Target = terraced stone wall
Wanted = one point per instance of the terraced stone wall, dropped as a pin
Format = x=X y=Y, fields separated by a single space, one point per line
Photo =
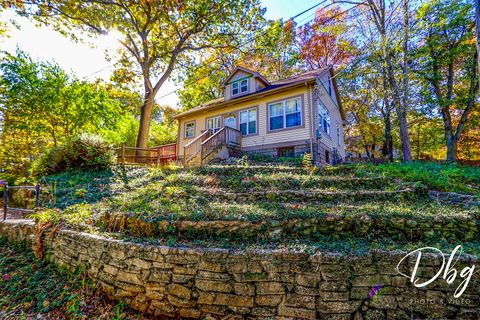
x=221 y=284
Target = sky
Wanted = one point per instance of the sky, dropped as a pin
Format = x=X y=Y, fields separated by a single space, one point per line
x=88 y=61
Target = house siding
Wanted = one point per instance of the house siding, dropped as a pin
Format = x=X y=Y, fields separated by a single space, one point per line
x=263 y=138
x=303 y=138
x=329 y=141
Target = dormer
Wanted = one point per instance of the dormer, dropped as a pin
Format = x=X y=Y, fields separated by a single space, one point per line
x=243 y=81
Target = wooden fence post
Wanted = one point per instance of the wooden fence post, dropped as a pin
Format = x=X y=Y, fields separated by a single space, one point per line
x=122 y=154
x=5 y=201
x=37 y=196
x=159 y=149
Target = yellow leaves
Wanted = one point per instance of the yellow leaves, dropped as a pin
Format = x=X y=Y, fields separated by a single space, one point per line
x=19 y=4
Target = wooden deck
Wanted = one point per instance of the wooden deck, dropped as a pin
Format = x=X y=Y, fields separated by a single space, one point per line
x=159 y=155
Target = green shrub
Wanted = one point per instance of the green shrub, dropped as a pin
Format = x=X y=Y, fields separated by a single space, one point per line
x=442 y=177
x=85 y=152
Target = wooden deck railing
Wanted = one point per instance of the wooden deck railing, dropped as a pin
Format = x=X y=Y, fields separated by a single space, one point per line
x=153 y=155
x=194 y=147
x=225 y=136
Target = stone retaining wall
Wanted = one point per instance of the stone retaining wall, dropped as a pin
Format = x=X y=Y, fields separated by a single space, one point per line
x=222 y=284
x=337 y=226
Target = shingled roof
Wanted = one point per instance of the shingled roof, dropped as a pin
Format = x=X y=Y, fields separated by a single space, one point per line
x=273 y=87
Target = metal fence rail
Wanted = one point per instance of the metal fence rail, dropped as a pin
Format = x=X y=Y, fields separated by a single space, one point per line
x=6 y=187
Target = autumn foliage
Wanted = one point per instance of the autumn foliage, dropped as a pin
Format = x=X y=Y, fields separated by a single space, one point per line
x=322 y=41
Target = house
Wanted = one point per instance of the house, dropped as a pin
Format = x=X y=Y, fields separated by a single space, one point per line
x=286 y=118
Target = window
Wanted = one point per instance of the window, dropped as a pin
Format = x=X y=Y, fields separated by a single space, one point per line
x=285 y=114
x=240 y=86
x=338 y=132
x=327 y=156
x=190 y=129
x=248 y=121
x=323 y=118
x=286 y=152
x=214 y=123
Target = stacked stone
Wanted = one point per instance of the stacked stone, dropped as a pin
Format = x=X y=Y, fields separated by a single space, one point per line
x=220 y=284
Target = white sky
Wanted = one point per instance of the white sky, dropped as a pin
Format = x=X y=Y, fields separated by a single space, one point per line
x=89 y=62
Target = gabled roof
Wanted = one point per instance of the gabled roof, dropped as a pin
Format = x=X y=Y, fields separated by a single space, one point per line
x=274 y=87
x=253 y=73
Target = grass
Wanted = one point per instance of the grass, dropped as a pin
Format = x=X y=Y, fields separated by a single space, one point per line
x=34 y=289
x=441 y=177
x=137 y=201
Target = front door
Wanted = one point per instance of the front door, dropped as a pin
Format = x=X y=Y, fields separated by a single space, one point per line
x=231 y=121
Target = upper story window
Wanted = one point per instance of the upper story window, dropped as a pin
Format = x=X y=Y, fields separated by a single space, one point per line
x=240 y=86
x=248 y=121
x=323 y=118
x=285 y=114
x=214 y=123
x=190 y=129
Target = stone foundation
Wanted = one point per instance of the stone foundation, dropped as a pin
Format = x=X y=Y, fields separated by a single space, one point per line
x=223 y=284
x=271 y=150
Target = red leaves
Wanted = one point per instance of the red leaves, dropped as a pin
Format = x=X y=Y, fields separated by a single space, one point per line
x=6 y=277
x=321 y=41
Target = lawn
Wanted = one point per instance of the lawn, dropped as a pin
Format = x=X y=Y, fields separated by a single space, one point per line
x=442 y=177
x=257 y=204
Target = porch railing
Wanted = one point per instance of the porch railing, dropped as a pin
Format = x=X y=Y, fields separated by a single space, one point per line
x=194 y=147
x=225 y=136
x=154 y=155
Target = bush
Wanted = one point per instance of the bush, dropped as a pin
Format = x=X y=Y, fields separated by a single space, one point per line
x=85 y=152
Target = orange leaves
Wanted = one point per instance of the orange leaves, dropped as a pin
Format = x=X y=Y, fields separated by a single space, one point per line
x=322 y=42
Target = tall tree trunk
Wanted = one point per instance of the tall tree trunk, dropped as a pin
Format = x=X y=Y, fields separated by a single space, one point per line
x=477 y=19
x=401 y=111
x=387 y=133
x=378 y=12
x=145 y=116
x=452 y=149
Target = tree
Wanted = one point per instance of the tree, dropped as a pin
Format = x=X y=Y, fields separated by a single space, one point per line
x=274 y=53
x=40 y=104
x=158 y=36
x=477 y=23
x=447 y=61
x=271 y=52
x=323 y=41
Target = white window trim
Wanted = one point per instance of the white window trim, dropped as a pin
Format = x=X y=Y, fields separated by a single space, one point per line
x=219 y=123
x=239 y=87
x=320 y=123
x=185 y=129
x=256 y=121
x=283 y=102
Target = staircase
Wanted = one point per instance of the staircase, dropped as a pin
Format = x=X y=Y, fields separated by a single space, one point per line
x=209 y=146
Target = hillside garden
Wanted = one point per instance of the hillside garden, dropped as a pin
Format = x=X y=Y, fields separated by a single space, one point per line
x=349 y=208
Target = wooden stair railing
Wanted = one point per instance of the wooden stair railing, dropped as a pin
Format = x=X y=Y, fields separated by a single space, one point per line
x=194 y=147
x=225 y=136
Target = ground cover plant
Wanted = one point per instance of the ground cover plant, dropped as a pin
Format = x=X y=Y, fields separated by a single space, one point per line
x=259 y=204
x=33 y=289
x=443 y=177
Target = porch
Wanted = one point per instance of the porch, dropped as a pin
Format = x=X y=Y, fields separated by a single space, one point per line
x=210 y=145
x=158 y=155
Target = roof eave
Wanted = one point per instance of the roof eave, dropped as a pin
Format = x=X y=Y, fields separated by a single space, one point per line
x=247 y=98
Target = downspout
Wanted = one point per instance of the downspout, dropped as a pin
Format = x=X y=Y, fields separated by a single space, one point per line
x=310 y=100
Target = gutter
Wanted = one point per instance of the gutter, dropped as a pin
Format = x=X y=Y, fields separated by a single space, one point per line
x=310 y=110
x=233 y=102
